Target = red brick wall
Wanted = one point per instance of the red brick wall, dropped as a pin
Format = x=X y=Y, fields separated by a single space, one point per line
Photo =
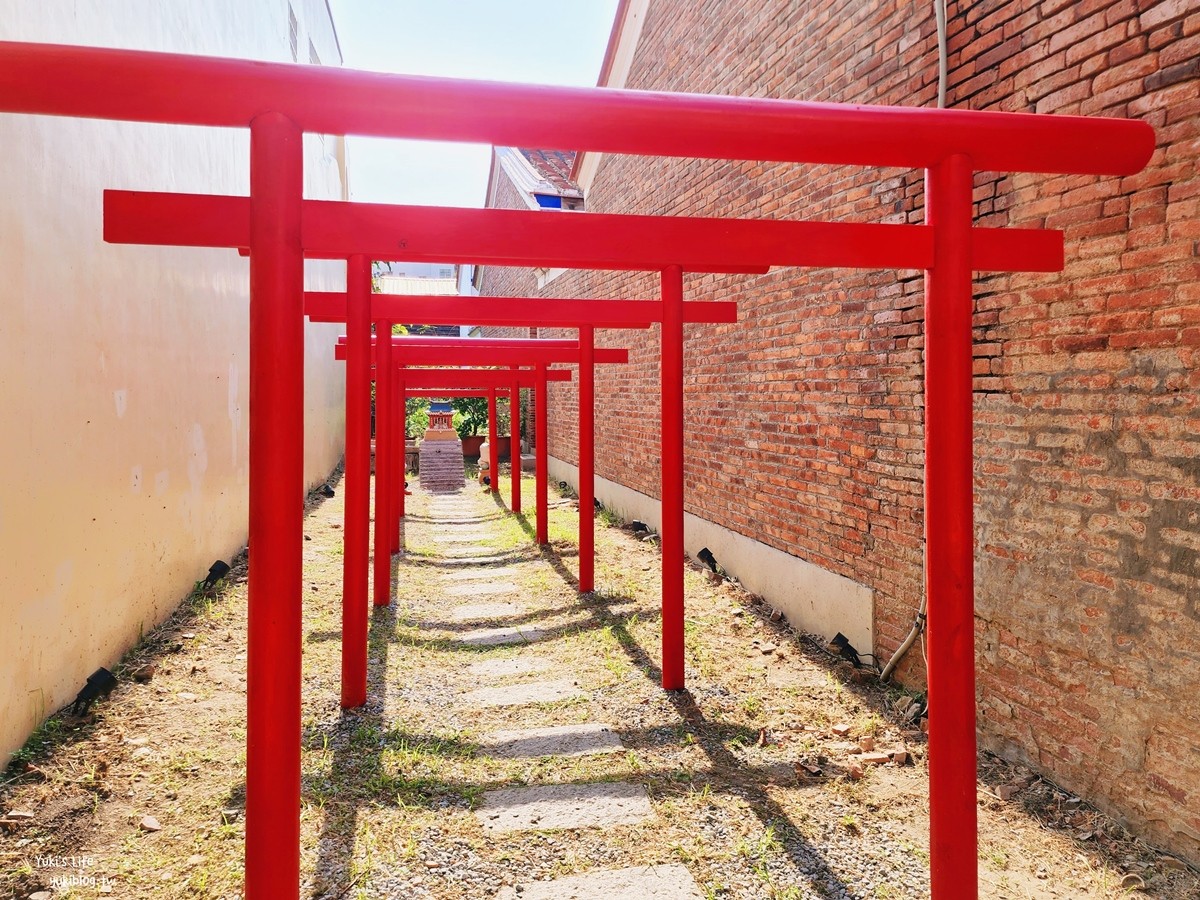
x=804 y=420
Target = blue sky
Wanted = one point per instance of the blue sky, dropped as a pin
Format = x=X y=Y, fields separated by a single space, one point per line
x=499 y=40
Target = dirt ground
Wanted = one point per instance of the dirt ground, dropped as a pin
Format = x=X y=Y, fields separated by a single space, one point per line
x=761 y=775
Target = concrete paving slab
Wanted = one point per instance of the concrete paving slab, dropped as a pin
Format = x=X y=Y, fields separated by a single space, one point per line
x=495 y=637
x=522 y=694
x=472 y=612
x=481 y=574
x=557 y=740
x=669 y=882
x=518 y=665
x=555 y=806
x=453 y=560
x=456 y=551
x=482 y=589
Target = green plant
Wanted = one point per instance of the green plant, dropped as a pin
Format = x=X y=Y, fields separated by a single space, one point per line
x=416 y=416
x=472 y=415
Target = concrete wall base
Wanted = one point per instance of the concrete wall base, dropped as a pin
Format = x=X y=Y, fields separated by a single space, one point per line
x=812 y=599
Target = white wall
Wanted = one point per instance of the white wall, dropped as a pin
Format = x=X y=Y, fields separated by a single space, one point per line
x=812 y=599
x=123 y=370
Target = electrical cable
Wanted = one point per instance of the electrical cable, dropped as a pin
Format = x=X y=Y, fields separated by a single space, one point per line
x=918 y=628
x=939 y=13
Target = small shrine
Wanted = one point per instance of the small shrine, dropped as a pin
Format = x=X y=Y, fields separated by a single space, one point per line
x=441 y=457
x=441 y=422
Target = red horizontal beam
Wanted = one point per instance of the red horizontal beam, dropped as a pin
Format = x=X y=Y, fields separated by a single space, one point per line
x=403 y=343
x=512 y=237
x=161 y=87
x=321 y=306
x=436 y=356
x=432 y=394
x=448 y=392
x=475 y=379
x=407 y=341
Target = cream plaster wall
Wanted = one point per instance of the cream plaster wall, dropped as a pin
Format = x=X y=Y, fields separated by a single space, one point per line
x=123 y=370
x=812 y=599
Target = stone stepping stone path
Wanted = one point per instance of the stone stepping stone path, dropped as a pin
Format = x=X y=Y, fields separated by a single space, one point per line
x=483 y=589
x=556 y=740
x=469 y=549
x=481 y=574
x=471 y=538
x=500 y=668
x=670 y=882
x=475 y=611
x=492 y=637
x=558 y=806
x=455 y=560
x=523 y=694
x=525 y=684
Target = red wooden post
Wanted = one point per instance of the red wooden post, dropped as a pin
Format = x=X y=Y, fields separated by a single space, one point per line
x=587 y=459
x=672 y=479
x=276 y=509
x=541 y=473
x=949 y=534
x=395 y=454
x=493 y=444
x=357 y=485
x=514 y=441
x=382 y=559
x=402 y=405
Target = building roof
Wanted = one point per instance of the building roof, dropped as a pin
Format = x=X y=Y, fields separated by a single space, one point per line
x=405 y=284
x=554 y=166
x=451 y=331
x=415 y=284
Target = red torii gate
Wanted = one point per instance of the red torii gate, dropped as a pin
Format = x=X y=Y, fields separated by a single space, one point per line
x=280 y=102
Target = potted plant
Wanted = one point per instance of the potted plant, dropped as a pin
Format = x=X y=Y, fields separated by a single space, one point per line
x=471 y=418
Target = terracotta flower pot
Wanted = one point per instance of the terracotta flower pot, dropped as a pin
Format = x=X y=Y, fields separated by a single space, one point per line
x=472 y=444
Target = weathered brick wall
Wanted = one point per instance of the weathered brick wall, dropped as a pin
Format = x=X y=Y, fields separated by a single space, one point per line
x=804 y=420
x=1087 y=453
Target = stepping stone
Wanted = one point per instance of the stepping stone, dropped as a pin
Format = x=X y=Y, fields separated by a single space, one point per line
x=484 y=575
x=452 y=560
x=482 y=589
x=669 y=882
x=518 y=665
x=473 y=611
x=493 y=637
x=473 y=551
x=558 y=740
x=522 y=694
x=553 y=806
